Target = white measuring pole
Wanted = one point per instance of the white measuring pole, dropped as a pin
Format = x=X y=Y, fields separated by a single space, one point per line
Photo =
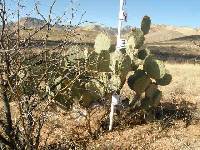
x=121 y=18
x=120 y=43
x=114 y=103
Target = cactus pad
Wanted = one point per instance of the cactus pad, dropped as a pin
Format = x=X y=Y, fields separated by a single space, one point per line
x=154 y=68
x=156 y=98
x=104 y=62
x=88 y=97
x=114 y=83
x=124 y=67
x=145 y=24
x=148 y=103
x=139 y=81
x=102 y=42
x=95 y=87
x=103 y=78
x=74 y=53
x=166 y=80
x=151 y=90
x=88 y=92
x=115 y=58
x=143 y=53
x=120 y=64
x=92 y=61
x=135 y=40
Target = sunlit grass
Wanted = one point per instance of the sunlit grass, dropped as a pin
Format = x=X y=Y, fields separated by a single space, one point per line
x=186 y=82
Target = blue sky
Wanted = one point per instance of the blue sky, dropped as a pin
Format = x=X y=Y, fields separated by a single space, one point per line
x=171 y=12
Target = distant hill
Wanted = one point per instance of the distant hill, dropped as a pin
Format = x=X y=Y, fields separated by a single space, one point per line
x=110 y=30
x=29 y=23
x=166 y=41
x=167 y=32
x=32 y=23
x=157 y=32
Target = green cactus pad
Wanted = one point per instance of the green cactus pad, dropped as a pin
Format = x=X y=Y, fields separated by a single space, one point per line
x=130 y=44
x=150 y=91
x=92 y=61
x=120 y=64
x=115 y=83
x=103 y=78
x=166 y=80
x=74 y=53
x=115 y=58
x=139 y=81
x=154 y=68
x=63 y=100
x=88 y=97
x=135 y=39
x=148 y=103
x=125 y=66
x=146 y=24
x=112 y=62
x=104 y=62
x=87 y=93
x=131 y=52
x=135 y=63
x=95 y=87
x=156 y=98
x=143 y=53
x=102 y=42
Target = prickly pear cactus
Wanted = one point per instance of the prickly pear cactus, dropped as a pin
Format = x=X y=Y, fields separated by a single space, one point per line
x=115 y=83
x=96 y=87
x=92 y=61
x=107 y=71
x=149 y=72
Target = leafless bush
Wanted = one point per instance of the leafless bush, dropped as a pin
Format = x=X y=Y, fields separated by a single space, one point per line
x=31 y=74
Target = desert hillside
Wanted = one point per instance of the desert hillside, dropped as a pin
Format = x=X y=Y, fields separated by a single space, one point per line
x=172 y=43
x=160 y=33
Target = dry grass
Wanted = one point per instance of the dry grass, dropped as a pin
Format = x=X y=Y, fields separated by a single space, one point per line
x=185 y=83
